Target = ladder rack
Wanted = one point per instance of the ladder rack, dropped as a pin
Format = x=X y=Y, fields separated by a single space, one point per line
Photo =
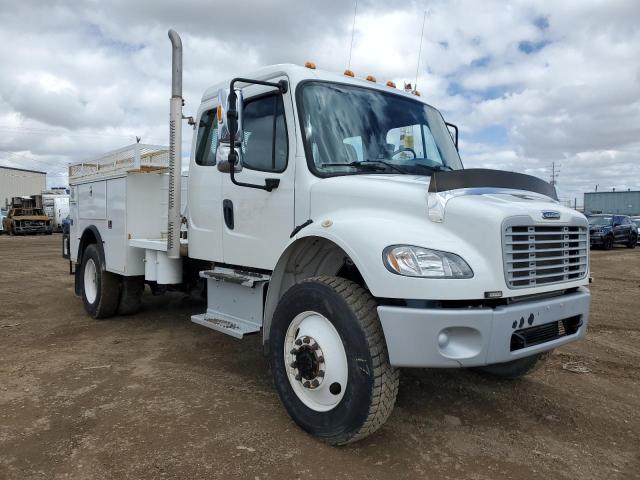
x=133 y=158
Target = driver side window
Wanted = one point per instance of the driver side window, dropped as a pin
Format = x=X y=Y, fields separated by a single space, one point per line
x=265 y=145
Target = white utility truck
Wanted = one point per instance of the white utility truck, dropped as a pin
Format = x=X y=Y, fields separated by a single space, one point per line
x=56 y=206
x=333 y=215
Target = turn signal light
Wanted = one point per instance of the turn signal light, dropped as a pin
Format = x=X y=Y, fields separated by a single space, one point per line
x=219 y=113
x=371 y=78
x=391 y=84
x=310 y=65
x=349 y=73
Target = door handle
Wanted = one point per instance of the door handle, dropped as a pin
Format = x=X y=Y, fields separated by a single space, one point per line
x=227 y=212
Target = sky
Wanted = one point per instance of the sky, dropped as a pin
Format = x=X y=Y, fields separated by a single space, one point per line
x=529 y=83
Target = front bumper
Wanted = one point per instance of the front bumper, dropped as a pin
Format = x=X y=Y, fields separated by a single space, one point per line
x=470 y=337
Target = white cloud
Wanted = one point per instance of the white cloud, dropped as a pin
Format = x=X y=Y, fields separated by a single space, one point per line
x=78 y=79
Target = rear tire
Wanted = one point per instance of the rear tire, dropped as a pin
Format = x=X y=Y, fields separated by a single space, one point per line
x=345 y=320
x=516 y=368
x=632 y=241
x=100 y=289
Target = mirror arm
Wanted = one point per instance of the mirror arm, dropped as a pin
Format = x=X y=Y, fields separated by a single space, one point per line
x=455 y=127
x=232 y=116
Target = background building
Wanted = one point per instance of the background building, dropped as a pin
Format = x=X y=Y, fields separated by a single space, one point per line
x=16 y=182
x=625 y=203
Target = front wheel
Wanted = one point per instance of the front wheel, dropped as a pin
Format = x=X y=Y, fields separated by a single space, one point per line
x=516 y=368
x=633 y=240
x=607 y=243
x=100 y=289
x=329 y=360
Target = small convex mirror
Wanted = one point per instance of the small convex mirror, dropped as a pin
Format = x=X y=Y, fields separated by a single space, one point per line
x=224 y=138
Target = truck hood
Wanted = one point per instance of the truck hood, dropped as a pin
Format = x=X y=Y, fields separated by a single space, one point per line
x=409 y=194
x=365 y=214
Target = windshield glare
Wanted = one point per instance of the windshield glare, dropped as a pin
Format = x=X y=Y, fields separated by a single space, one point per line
x=600 y=221
x=350 y=129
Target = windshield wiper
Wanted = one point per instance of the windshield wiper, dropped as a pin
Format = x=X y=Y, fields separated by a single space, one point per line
x=434 y=168
x=369 y=164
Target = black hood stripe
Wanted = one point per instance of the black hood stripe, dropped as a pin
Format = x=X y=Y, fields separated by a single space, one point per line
x=485 y=178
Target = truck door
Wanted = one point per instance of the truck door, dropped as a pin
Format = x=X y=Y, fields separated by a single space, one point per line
x=257 y=224
x=618 y=228
x=205 y=205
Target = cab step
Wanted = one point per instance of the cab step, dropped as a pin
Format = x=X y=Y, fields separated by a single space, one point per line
x=234 y=301
x=236 y=328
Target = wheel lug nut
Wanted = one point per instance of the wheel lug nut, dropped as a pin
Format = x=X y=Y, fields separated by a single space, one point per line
x=306 y=339
x=307 y=384
x=298 y=342
x=293 y=351
x=293 y=364
x=321 y=373
x=298 y=377
x=315 y=383
x=321 y=359
x=314 y=347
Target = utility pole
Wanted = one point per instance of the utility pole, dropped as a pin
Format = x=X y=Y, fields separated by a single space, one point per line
x=554 y=174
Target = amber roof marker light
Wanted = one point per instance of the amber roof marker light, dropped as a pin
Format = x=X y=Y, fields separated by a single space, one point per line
x=349 y=73
x=391 y=84
x=371 y=78
x=310 y=65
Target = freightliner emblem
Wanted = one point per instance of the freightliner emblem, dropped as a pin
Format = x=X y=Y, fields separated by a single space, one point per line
x=550 y=215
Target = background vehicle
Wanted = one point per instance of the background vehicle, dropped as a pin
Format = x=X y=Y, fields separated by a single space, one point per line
x=56 y=206
x=24 y=217
x=636 y=221
x=608 y=230
x=334 y=216
x=3 y=214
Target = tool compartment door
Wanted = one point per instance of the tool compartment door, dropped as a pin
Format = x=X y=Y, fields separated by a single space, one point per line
x=92 y=200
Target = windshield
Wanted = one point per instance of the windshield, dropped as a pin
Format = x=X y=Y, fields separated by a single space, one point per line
x=600 y=221
x=350 y=129
x=28 y=211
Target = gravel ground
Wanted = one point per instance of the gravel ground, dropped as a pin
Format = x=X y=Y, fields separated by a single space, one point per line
x=155 y=396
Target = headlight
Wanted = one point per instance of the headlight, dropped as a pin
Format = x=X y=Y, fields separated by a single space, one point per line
x=423 y=262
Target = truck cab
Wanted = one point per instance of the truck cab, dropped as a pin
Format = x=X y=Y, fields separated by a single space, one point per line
x=333 y=215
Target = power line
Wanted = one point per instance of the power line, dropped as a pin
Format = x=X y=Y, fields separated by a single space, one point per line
x=30 y=131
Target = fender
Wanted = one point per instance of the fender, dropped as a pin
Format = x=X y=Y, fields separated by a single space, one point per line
x=305 y=256
x=84 y=242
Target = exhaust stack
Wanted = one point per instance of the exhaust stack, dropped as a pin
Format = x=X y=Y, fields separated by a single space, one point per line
x=175 y=147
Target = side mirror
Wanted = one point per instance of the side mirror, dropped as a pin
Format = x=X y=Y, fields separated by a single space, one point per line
x=234 y=129
x=229 y=126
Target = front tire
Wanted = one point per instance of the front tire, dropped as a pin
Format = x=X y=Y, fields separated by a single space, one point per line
x=100 y=289
x=330 y=325
x=516 y=368
x=633 y=241
x=607 y=243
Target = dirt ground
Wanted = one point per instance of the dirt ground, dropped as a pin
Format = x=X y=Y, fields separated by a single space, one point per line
x=156 y=396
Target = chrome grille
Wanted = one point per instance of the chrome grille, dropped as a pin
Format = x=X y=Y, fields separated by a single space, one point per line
x=536 y=255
